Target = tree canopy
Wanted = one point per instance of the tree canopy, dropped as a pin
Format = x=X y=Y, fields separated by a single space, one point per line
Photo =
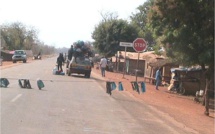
x=139 y=20
x=110 y=32
x=185 y=29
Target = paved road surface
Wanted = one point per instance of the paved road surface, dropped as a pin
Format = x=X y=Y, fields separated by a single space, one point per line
x=75 y=105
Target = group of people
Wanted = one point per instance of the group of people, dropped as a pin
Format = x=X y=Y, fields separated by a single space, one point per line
x=158 y=76
x=77 y=49
x=103 y=64
x=61 y=59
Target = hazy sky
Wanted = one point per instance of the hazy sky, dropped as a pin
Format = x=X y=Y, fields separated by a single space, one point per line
x=62 y=22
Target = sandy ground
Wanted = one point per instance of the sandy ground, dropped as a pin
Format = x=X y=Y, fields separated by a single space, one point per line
x=182 y=108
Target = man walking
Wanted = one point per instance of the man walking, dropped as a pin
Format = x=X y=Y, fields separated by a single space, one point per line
x=103 y=64
x=158 y=78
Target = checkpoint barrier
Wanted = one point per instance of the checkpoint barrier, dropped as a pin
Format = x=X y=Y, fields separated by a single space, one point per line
x=143 y=86
x=120 y=87
x=40 y=84
x=137 y=85
x=26 y=83
x=112 y=86
x=4 y=82
x=23 y=83
x=108 y=88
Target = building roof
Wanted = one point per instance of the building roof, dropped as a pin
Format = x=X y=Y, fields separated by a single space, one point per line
x=142 y=56
x=152 y=59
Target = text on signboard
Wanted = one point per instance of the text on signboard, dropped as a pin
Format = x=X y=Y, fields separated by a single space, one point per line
x=139 y=44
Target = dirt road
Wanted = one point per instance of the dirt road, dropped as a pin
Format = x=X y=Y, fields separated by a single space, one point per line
x=181 y=108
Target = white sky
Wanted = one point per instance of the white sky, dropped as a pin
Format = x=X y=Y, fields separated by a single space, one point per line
x=62 y=22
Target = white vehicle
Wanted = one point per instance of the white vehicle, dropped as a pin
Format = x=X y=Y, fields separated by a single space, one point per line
x=19 y=55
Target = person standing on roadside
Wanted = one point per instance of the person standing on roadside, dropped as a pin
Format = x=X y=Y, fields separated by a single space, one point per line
x=60 y=61
x=103 y=64
x=70 y=54
x=158 y=78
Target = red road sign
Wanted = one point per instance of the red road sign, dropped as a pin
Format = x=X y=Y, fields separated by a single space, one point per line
x=139 y=44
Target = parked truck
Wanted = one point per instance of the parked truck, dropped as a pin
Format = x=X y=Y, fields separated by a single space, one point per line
x=80 y=62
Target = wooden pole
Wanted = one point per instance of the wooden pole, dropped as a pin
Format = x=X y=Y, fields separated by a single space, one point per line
x=137 y=65
x=124 y=68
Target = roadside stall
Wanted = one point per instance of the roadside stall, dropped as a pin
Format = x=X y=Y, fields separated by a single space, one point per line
x=186 y=80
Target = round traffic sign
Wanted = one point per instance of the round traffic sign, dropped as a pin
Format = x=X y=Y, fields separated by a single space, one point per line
x=139 y=44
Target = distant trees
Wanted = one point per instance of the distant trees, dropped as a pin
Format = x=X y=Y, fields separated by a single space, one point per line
x=18 y=36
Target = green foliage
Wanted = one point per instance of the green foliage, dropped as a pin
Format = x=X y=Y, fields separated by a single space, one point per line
x=110 y=32
x=140 y=21
x=187 y=28
x=16 y=36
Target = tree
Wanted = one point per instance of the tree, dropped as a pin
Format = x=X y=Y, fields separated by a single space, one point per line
x=110 y=32
x=186 y=29
x=139 y=20
x=31 y=38
x=18 y=31
x=7 y=41
x=18 y=36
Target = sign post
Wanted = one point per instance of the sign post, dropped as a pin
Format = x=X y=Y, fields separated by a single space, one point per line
x=125 y=44
x=139 y=45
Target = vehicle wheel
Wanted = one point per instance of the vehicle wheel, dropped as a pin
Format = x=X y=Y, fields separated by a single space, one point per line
x=181 y=91
x=24 y=61
x=87 y=75
x=172 y=89
x=68 y=72
x=14 y=61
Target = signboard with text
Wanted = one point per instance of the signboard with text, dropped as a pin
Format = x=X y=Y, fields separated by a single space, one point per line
x=126 y=44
